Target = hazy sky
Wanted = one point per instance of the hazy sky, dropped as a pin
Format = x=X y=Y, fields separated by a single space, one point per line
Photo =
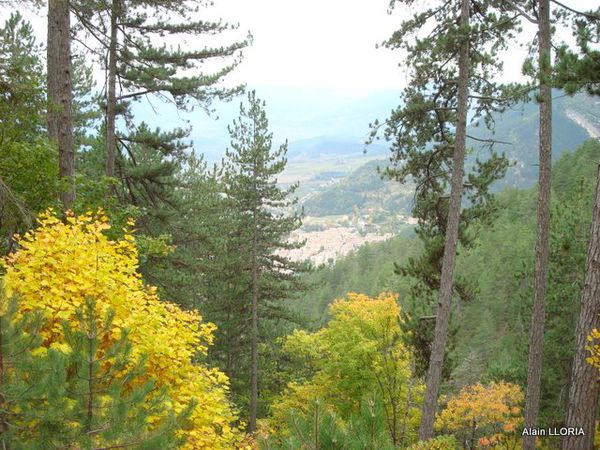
x=331 y=43
x=315 y=63
x=316 y=43
x=321 y=43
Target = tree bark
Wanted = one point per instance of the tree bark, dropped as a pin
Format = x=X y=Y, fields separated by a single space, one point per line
x=60 y=91
x=255 y=294
x=111 y=102
x=538 y=315
x=436 y=361
x=582 y=404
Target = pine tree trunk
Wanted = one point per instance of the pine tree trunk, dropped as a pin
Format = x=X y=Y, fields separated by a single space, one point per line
x=254 y=369
x=60 y=128
x=111 y=102
x=584 y=388
x=538 y=315
x=436 y=361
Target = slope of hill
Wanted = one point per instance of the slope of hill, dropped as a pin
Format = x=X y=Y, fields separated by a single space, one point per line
x=574 y=120
x=362 y=191
x=347 y=204
x=488 y=331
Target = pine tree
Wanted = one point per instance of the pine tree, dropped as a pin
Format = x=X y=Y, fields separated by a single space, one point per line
x=542 y=246
x=60 y=92
x=22 y=93
x=79 y=393
x=139 y=67
x=258 y=208
x=112 y=402
x=451 y=69
x=150 y=164
x=442 y=322
x=28 y=162
x=570 y=69
x=580 y=69
x=19 y=336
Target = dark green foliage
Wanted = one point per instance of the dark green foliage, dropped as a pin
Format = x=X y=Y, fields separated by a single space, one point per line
x=22 y=97
x=145 y=67
x=149 y=163
x=28 y=163
x=80 y=394
x=421 y=132
x=257 y=223
x=577 y=70
x=321 y=429
x=87 y=104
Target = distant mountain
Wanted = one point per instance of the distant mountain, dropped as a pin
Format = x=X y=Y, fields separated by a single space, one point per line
x=575 y=119
x=362 y=192
x=314 y=121
x=330 y=146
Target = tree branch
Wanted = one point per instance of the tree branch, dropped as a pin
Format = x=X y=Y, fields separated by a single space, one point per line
x=521 y=11
x=587 y=15
x=490 y=141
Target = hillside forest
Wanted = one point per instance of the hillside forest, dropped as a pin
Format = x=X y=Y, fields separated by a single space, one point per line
x=435 y=288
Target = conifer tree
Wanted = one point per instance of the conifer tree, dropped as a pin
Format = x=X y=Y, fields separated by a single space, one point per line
x=128 y=31
x=112 y=403
x=452 y=70
x=29 y=163
x=148 y=162
x=78 y=394
x=60 y=93
x=573 y=73
x=542 y=246
x=578 y=69
x=19 y=336
x=22 y=90
x=262 y=226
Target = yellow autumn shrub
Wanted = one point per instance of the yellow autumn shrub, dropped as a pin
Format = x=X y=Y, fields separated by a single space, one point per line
x=60 y=264
x=445 y=442
x=359 y=354
x=485 y=416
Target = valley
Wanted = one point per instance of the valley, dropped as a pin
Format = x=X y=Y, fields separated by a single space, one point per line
x=347 y=204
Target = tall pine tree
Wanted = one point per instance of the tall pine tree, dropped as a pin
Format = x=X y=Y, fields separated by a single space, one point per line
x=259 y=210
x=542 y=246
x=452 y=69
x=574 y=71
x=60 y=93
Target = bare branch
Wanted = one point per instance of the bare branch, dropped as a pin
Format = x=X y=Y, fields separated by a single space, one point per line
x=587 y=15
x=522 y=12
x=489 y=141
